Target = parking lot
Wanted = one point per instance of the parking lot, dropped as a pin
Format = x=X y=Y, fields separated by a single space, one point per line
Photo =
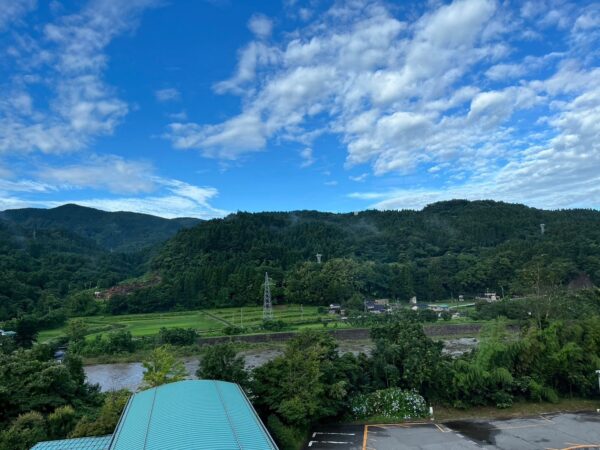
x=546 y=432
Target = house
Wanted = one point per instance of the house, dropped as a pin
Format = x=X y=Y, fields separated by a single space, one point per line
x=382 y=301
x=190 y=414
x=7 y=333
x=488 y=297
x=418 y=306
x=335 y=308
x=438 y=307
x=374 y=308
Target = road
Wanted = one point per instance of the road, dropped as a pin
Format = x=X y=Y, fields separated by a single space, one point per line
x=546 y=432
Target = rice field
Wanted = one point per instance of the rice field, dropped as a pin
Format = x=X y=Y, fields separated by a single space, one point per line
x=206 y=322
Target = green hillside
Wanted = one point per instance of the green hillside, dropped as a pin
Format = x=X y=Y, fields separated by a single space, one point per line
x=47 y=255
x=115 y=231
x=445 y=250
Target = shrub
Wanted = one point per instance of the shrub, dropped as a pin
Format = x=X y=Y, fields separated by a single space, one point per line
x=273 y=325
x=287 y=437
x=392 y=403
x=177 y=336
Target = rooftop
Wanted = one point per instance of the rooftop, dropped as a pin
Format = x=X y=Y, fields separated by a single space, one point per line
x=191 y=414
x=87 y=443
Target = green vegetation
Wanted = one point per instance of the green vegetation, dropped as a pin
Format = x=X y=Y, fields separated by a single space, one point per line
x=205 y=322
x=48 y=257
x=162 y=367
x=122 y=231
x=42 y=399
x=447 y=249
x=390 y=404
x=207 y=281
x=220 y=362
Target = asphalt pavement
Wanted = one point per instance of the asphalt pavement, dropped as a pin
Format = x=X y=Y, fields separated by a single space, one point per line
x=545 y=432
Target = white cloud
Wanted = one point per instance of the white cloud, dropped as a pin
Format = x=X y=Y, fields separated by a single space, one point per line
x=167 y=95
x=307 y=157
x=168 y=205
x=359 y=178
x=12 y=11
x=109 y=172
x=164 y=197
x=460 y=92
x=260 y=25
x=68 y=104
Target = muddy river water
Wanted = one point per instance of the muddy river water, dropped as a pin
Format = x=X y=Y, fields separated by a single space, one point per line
x=129 y=375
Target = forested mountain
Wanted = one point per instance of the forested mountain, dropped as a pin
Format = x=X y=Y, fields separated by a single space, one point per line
x=115 y=231
x=45 y=255
x=447 y=249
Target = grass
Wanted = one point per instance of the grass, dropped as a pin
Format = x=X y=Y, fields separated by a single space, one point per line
x=211 y=322
x=206 y=322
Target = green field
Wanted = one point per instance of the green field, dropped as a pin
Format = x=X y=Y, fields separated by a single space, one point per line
x=207 y=322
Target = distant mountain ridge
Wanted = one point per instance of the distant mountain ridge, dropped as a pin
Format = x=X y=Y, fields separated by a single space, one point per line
x=114 y=231
x=446 y=249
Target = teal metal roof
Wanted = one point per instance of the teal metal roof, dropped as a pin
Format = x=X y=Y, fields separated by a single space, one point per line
x=194 y=415
x=87 y=443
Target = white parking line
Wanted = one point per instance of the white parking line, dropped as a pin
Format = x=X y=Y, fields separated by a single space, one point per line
x=327 y=442
x=323 y=432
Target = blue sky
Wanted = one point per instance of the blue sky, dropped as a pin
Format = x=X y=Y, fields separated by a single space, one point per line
x=201 y=108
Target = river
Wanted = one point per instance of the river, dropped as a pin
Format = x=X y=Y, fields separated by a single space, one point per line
x=129 y=375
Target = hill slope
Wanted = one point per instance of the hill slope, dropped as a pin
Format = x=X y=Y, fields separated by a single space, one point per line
x=116 y=231
x=46 y=255
x=447 y=249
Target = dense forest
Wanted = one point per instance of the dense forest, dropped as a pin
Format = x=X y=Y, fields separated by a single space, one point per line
x=447 y=249
x=48 y=255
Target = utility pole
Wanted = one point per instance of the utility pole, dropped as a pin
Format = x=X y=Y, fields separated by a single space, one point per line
x=301 y=312
x=598 y=373
x=241 y=318
x=267 y=305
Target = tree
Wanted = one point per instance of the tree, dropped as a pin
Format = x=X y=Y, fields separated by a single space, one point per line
x=61 y=421
x=162 y=367
x=220 y=362
x=104 y=421
x=27 y=329
x=404 y=356
x=177 y=336
x=76 y=330
x=307 y=383
x=25 y=431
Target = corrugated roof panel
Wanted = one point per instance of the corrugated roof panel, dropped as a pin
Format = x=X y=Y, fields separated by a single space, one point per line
x=194 y=415
x=248 y=427
x=87 y=443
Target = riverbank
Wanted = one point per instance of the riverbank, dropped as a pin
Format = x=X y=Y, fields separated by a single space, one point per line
x=126 y=371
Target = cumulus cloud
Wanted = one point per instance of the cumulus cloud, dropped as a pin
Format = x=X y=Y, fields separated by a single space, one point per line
x=459 y=93
x=71 y=104
x=260 y=25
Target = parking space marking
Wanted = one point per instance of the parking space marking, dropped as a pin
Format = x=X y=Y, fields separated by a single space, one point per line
x=439 y=427
x=442 y=428
x=324 y=432
x=328 y=442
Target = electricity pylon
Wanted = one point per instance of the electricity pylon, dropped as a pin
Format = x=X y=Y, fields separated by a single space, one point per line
x=267 y=305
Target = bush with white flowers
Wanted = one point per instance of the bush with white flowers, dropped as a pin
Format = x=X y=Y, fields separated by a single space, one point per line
x=392 y=403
